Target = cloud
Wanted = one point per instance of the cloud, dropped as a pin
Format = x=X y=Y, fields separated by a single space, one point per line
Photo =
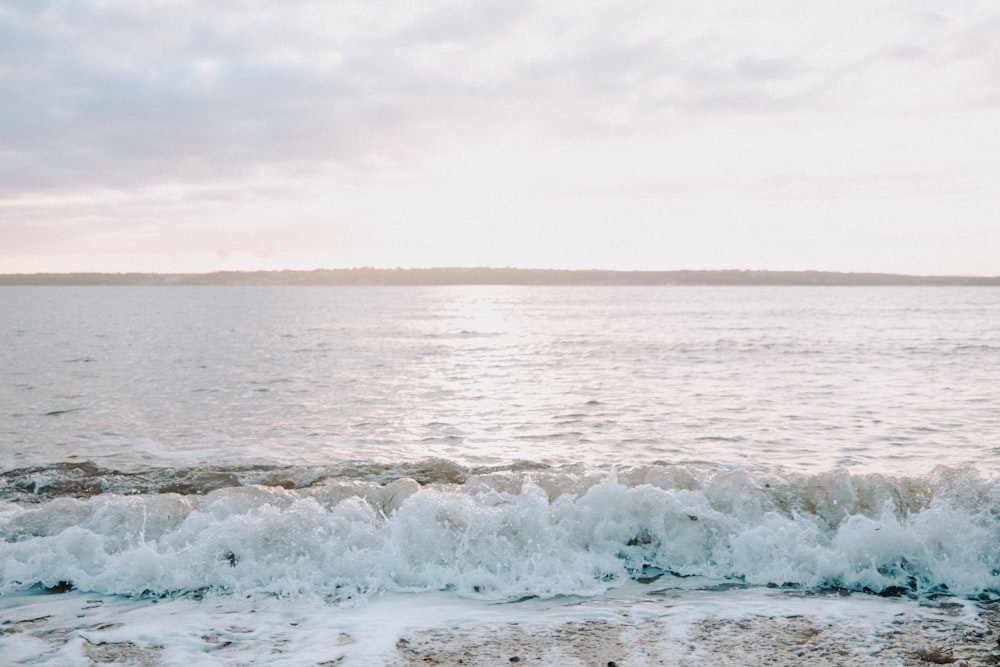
x=135 y=115
x=126 y=93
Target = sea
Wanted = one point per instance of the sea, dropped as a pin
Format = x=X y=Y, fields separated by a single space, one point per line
x=325 y=475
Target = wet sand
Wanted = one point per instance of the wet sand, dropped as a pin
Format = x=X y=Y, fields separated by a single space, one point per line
x=928 y=638
x=726 y=628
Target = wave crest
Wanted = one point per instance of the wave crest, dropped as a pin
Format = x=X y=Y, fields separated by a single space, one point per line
x=509 y=533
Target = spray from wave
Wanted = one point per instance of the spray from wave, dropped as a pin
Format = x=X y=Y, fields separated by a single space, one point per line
x=506 y=533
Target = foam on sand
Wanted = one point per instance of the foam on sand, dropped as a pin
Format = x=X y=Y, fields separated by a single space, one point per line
x=682 y=627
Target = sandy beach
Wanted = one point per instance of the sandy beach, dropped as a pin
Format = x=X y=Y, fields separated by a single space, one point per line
x=742 y=627
x=934 y=633
x=755 y=640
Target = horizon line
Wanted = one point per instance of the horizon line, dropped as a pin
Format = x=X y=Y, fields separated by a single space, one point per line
x=369 y=267
x=485 y=275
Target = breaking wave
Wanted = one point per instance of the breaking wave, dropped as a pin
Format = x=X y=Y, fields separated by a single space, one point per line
x=505 y=533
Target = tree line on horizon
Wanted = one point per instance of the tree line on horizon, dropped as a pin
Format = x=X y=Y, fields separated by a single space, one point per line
x=493 y=276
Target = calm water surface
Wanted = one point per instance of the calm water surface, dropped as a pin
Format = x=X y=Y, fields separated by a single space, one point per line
x=888 y=379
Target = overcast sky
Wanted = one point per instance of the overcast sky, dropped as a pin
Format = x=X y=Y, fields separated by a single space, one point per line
x=196 y=136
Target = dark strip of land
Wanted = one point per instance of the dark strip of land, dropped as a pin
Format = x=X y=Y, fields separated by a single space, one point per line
x=491 y=276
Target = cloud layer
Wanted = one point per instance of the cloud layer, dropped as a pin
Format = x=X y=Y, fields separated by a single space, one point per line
x=190 y=136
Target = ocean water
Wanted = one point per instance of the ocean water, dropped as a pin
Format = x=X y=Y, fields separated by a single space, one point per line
x=353 y=462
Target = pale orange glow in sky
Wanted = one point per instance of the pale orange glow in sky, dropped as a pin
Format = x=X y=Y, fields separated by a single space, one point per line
x=184 y=136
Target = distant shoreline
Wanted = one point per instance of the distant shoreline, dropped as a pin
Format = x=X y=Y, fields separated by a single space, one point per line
x=494 y=276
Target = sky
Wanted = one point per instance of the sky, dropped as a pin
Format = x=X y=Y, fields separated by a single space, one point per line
x=182 y=136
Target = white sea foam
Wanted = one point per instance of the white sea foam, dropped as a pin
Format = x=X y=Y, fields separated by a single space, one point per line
x=672 y=626
x=507 y=535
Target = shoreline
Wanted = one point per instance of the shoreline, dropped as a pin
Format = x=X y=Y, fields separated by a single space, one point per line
x=668 y=627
